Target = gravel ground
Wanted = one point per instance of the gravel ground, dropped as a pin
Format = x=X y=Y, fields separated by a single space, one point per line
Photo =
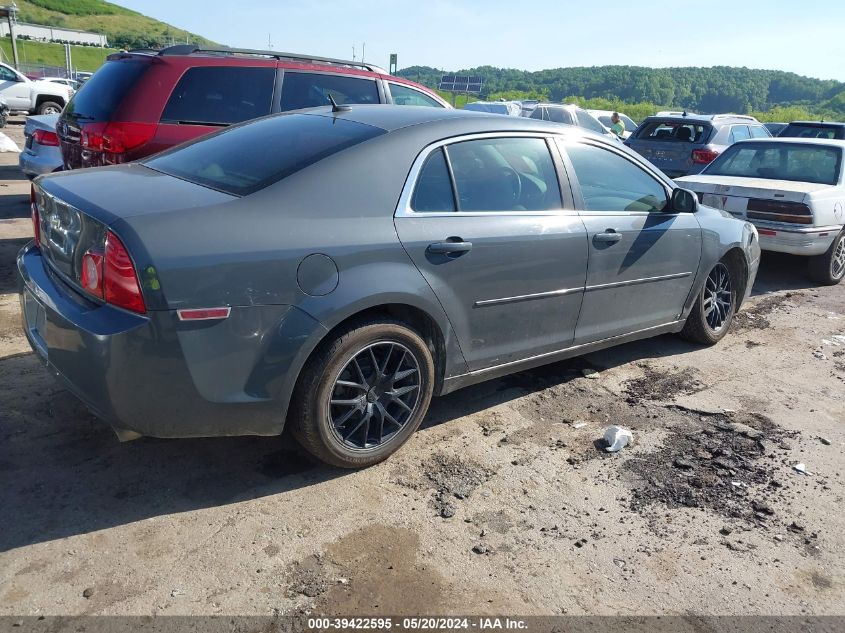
x=503 y=502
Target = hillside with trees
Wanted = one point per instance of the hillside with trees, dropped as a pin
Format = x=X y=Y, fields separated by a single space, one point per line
x=703 y=90
x=123 y=27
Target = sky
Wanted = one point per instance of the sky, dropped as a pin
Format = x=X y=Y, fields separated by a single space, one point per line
x=807 y=38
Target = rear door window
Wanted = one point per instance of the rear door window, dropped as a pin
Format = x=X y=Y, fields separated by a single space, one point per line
x=105 y=90
x=739 y=133
x=220 y=95
x=433 y=192
x=556 y=115
x=504 y=174
x=759 y=131
x=404 y=95
x=674 y=131
x=312 y=90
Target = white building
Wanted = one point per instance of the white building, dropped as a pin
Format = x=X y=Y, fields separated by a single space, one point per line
x=54 y=34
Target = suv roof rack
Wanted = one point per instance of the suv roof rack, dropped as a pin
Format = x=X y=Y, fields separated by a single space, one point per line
x=189 y=49
x=743 y=117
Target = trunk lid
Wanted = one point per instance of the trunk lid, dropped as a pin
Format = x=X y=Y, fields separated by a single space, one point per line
x=755 y=199
x=77 y=208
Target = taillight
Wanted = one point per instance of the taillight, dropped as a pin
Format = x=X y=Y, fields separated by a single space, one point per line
x=45 y=137
x=703 y=156
x=120 y=283
x=36 y=216
x=92 y=273
x=779 y=211
x=116 y=137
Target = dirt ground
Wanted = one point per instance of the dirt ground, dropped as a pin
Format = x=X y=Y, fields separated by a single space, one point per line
x=502 y=503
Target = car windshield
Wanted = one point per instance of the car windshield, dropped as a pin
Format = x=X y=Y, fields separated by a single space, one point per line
x=674 y=131
x=810 y=130
x=780 y=161
x=246 y=158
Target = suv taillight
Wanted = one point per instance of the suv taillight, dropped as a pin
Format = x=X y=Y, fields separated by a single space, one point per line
x=36 y=216
x=703 y=156
x=110 y=276
x=117 y=137
x=45 y=137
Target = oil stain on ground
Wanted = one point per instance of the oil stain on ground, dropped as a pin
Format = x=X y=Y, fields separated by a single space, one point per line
x=377 y=569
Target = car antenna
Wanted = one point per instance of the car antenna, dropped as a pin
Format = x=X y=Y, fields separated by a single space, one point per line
x=336 y=107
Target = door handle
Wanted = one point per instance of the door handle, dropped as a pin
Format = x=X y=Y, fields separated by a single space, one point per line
x=449 y=247
x=609 y=236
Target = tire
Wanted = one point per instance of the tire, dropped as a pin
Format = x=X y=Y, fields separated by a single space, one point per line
x=50 y=107
x=4 y=118
x=354 y=432
x=829 y=268
x=702 y=325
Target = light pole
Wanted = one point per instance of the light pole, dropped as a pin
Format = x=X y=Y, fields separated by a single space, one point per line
x=9 y=12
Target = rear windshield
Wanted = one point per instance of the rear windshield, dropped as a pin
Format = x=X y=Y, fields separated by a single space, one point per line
x=100 y=96
x=243 y=159
x=803 y=130
x=779 y=161
x=674 y=131
x=219 y=95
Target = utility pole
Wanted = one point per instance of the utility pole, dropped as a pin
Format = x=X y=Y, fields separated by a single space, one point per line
x=9 y=12
x=363 y=52
x=68 y=62
x=269 y=43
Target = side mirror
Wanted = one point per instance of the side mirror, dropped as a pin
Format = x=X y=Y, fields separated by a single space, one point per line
x=684 y=201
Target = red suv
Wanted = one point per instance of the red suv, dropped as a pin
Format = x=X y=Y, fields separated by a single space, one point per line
x=142 y=102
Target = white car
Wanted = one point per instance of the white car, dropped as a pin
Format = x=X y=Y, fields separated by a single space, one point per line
x=791 y=189
x=570 y=114
x=22 y=94
x=70 y=83
x=604 y=118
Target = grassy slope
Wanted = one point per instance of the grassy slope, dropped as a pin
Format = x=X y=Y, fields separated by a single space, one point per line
x=83 y=57
x=101 y=17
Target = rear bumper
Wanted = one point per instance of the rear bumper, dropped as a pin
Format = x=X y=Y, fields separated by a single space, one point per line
x=156 y=376
x=795 y=241
x=45 y=162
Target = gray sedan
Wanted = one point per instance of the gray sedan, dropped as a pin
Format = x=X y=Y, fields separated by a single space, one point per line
x=370 y=258
x=41 y=153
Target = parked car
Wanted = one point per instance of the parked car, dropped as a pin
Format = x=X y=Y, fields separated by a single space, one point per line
x=684 y=144
x=570 y=115
x=139 y=103
x=41 y=153
x=814 y=129
x=70 y=83
x=508 y=108
x=213 y=288
x=791 y=189
x=528 y=106
x=22 y=94
x=775 y=128
x=603 y=117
